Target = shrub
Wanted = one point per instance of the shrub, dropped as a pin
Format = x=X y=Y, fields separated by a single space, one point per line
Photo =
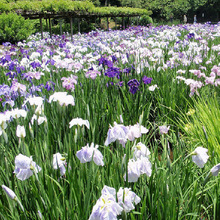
x=145 y=20
x=14 y=28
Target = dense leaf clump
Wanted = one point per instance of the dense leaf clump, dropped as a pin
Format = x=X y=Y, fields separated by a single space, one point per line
x=14 y=28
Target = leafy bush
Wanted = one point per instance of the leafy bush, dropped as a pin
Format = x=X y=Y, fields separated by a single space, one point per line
x=14 y=28
x=145 y=20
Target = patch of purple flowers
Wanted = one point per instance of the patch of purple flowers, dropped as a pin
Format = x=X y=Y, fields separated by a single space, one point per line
x=146 y=80
x=113 y=72
x=133 y=85
x=191 y=35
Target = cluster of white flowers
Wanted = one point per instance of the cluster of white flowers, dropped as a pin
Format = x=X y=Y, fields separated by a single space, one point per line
x=123 y=133
x=107 y=207
x=139 y=164
x=62 y=98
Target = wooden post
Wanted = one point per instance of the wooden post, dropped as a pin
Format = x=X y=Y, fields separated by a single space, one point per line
x=138 y=20
x=107 y=24
x=50 y=28
x=41 y=28
x=100 y=21
x=47 y=24
x=79 y=25
x=71 y=28
x=123 y=23
x=60 y=21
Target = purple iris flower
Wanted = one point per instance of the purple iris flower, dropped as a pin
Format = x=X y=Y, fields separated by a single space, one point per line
x=146 y=80
x=49 y=85
x=114 y=58
x=120 y=84
x=105 y=62
x=62 y=45
x=40 y=51
x=19 y=69
x=6 y=44
x=11 y=74
x=191 y=35
x=52 y=62
x=5 y=59
x=35 y=64
x=113 y=72
x=133 y=85
x=11 y=66
x=127 y=70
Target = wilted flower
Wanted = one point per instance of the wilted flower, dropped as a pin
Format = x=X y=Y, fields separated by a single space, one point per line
x=20 y=131
x=79 y=121
x=9 y=192
x=127 y=199
x=25 y=167
x=12 y=195
x=59 y=162
x=87 y=153
x=164 y=129
x=215 y=170
x=200 y=156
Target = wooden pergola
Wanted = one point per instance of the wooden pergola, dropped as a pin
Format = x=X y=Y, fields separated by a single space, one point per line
x=68 y=15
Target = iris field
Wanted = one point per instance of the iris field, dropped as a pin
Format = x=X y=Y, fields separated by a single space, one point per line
x=112 y=125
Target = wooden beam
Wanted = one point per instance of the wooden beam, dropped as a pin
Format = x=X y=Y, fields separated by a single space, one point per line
x=41 y=28
x=71 y=28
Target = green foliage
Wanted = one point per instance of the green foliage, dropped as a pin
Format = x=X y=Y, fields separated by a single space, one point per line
x=145 y=20
x=82 y=7
x=14 y=28
x=201 y=126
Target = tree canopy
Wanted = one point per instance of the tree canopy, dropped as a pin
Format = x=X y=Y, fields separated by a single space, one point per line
x=166 y=9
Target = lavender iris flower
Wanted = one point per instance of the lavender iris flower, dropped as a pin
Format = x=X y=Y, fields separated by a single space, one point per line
x=25 y=167
x=146 y=80
x=49 y=85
